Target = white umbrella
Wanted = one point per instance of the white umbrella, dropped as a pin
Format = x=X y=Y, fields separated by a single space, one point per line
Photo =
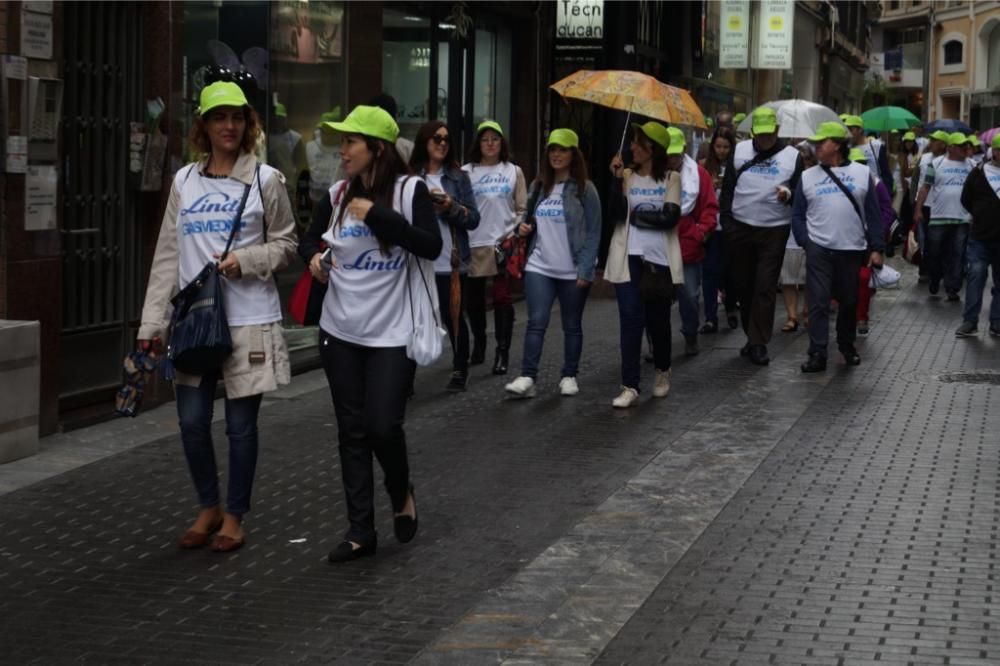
x=796 y=117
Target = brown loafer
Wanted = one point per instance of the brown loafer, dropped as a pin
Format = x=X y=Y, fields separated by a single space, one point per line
x=227 y=544
x=194 y=539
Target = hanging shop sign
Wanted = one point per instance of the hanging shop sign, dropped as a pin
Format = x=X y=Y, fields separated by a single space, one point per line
x=774 y=35
x=734 y=33
x=580 y=19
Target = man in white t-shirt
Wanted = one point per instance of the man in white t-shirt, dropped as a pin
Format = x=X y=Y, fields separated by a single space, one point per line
x=756 y=214
x=874 y=149
x=981 y=197
x=323 y=155
x=937 y=145
x=948 y=227
x=836 y=218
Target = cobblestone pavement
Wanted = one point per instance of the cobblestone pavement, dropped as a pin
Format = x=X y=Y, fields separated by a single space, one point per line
x=755 y=515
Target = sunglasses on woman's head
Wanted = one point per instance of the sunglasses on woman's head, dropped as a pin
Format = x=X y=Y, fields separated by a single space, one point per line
x=440 y=138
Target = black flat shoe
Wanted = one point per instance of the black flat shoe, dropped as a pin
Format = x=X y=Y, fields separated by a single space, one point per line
x=851 y=356
x=758 y=355
x=732 y=321
x=709 y=327
x=345 y=552
x=745 y=350
x=405 y=527
x=816 y=363
x=459 y=382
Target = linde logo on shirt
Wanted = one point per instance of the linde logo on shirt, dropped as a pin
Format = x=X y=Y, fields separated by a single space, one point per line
x=647 y=191
x=491 y=183
x=951 y=176
x=213 y=202
x=551 y=207
x=355 y=231
x=827 y=186
x=768 y=167
x=374 y=260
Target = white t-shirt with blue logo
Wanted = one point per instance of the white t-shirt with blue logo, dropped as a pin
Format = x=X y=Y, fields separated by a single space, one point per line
x=493 y=186
x=366 y=299
x=204 y=220
x=443 y=262
x=551 y=255
x=946 y=179
x=646 y=194
x=755 y=199
x=831 y=219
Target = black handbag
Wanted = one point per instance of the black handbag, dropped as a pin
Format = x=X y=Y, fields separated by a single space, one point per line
x=199 y=340
x=655 y=284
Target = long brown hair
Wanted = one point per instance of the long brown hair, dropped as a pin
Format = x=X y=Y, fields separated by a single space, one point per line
x=577 y=171
x=658 y=161
x=712 y=164
x=201 y=145
x=386 y=166
x=419 y=158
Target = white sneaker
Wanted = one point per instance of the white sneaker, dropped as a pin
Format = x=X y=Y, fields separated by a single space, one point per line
x=568 y=386
x=627 y=398
x=522 y=387
x=661 y=385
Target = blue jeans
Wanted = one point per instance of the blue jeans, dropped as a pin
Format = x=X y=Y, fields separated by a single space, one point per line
x=633 y=316
x=541 y=292
x=687 y=299
x=194 y=409
x=713 y=270
x=946 y=249
x=981 y=257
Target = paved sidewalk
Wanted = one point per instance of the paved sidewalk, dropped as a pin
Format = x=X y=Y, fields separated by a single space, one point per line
x=754 y=516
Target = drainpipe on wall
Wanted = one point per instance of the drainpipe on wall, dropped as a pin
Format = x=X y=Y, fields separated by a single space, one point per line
x=929 y=102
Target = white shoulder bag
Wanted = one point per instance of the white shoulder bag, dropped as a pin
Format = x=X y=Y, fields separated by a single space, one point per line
x=424 y=345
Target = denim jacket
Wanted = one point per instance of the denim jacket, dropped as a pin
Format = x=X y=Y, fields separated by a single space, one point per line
x=464 y=216
x=583 y=224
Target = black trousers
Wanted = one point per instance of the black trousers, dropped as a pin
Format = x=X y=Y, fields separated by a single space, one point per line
x=832 y=274
x=369 y=386
x=459 y=343
x=754 y=256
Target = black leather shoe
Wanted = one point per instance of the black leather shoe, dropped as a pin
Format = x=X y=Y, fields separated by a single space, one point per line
x=815 y=363
x=345 y=552
x=758 y=355
x=851 y=356
x=745 y=350
x=709 y=327
x=459 y=381
x=404 y=527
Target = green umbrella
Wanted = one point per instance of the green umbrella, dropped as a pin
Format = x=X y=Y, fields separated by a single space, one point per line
x=885 y=118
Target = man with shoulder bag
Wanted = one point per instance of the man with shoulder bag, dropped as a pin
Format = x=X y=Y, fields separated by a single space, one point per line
x=836 y=218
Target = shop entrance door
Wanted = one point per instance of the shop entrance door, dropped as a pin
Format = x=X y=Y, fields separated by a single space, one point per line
x=101 y=251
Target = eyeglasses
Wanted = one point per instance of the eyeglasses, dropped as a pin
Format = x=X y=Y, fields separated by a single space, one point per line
x=440 y=138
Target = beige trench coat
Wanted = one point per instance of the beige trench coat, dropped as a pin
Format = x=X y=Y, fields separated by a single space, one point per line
x=258 y=262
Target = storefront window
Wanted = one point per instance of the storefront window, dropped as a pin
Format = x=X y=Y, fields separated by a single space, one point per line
x=406 y=67
x=491 y=98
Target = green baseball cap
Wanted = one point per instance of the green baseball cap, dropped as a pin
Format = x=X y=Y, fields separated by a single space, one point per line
x=564 y=137
x=853 y=121
x=280 y=111
x=974 y=140
x=738 y=118
x=995 y=143
x=489 y=125
x=331 y=116
x=656 y=133
x=829 y=130
x=220 y=93
x=367 y=121
x=843 y=117
x=939 y=135
x=857 y=155
x=677 y=141
x=909 y=136
x=763 y=120
x=957 y=139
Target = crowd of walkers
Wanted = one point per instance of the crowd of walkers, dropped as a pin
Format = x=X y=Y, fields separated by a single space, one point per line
x=752 y=217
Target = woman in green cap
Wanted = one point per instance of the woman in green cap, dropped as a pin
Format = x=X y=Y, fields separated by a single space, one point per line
x=204 y=199
x=376 y=223
x=645 y=259
x=563 y=228
x=434 y=159
x=501 y=196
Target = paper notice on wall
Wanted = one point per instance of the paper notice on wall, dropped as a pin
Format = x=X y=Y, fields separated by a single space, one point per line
x=36 y=35
x=774 y=35
x=734 y=34
x=40 y=187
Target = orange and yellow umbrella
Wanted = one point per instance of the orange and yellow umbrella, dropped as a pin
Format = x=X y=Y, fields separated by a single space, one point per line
x=634 y=92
